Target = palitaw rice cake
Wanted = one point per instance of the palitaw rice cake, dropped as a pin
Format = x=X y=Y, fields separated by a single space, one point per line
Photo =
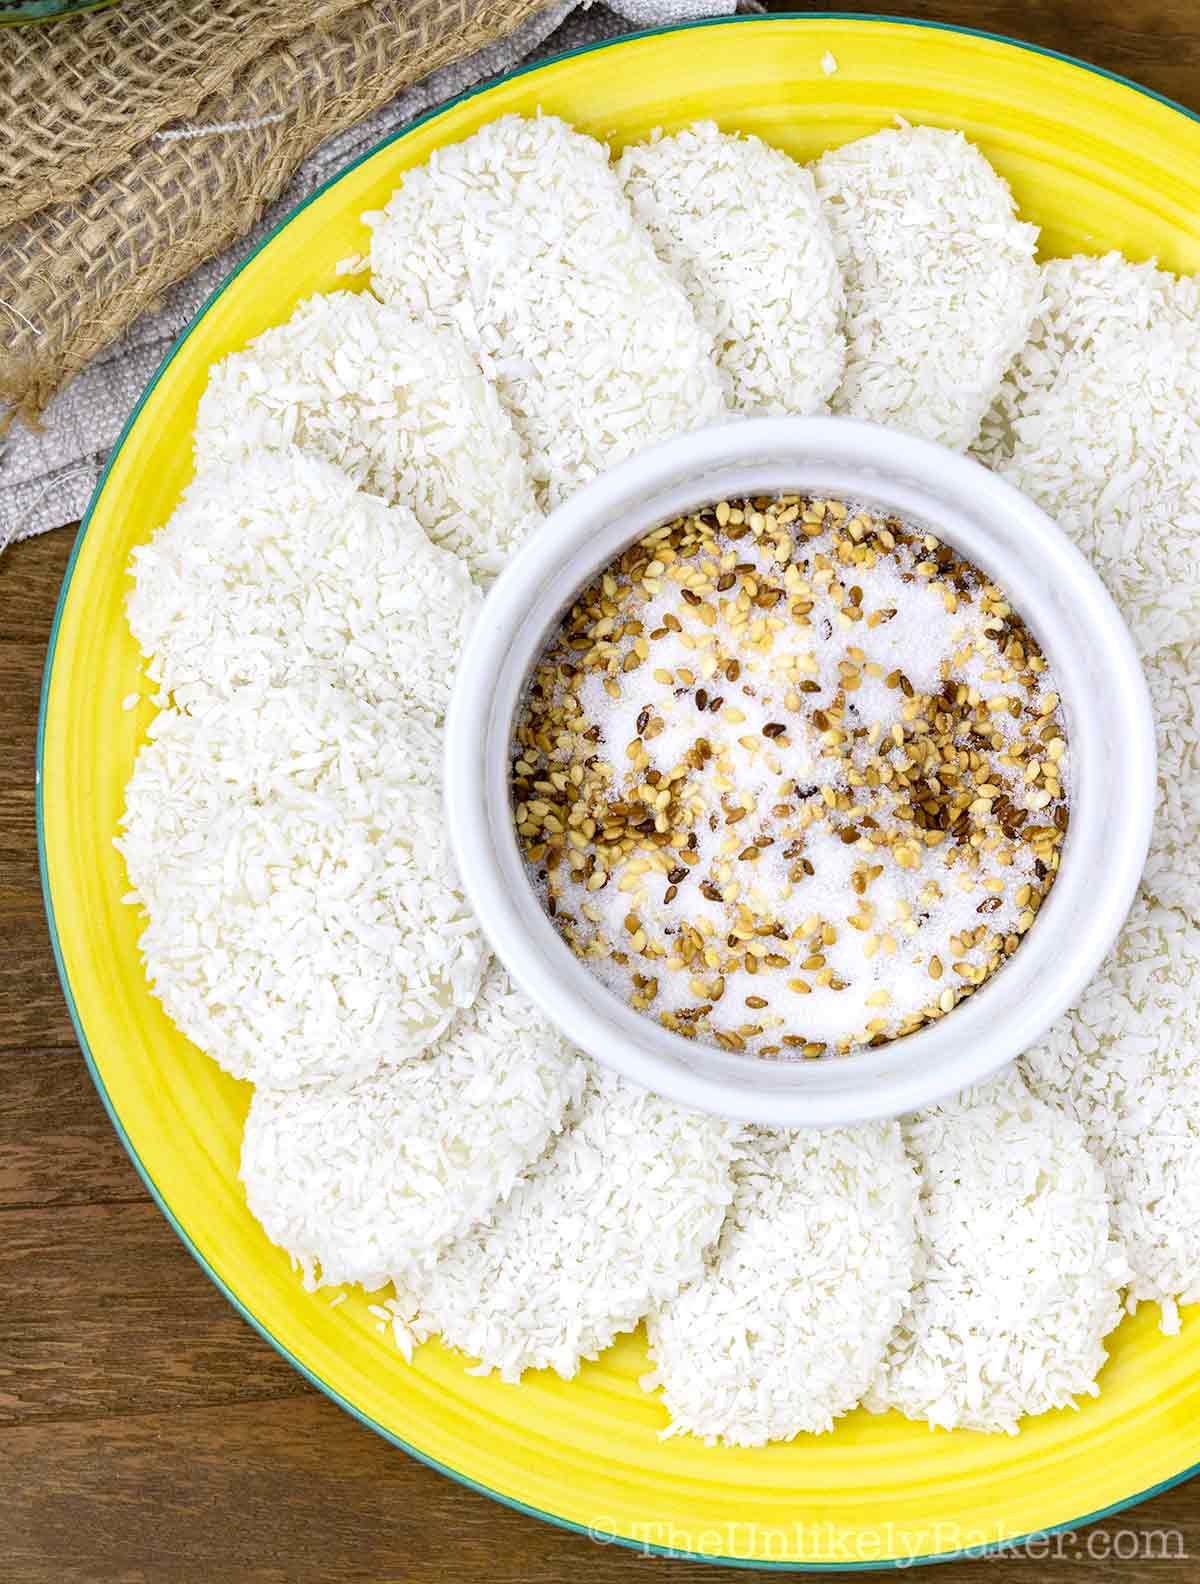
x=401 y=407
x=615 y=1217
x=1018 y=1270
x=304 y=921
x=940 y=279
x=787 y=1326
x=1124 y=1065
x=365 y=1183
x=277 y=570
x=1098 y=419
x=522 y=240
x=739 y=224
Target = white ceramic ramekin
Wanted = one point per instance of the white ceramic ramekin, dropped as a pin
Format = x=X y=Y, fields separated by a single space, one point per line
x=1109 y=724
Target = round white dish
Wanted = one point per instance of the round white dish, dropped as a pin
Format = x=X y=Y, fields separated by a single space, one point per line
x=1109 y=724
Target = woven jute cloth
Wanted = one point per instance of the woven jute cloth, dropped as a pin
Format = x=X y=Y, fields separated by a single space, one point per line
x=149 y=148
x=79 y=269
x=78 y=95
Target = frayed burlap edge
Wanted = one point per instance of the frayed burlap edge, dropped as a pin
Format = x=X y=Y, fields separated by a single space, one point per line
x=76 y=274
x=76 y=97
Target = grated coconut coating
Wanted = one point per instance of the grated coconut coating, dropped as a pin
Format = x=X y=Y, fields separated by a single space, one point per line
x=304 y=918
x=521 y=239
x=1018 y=1274
x=940 y=279
x=1098 y=420
x=739 y=224
x=401 y=407
x=364 y=1183
x=787 y=1326
x=1124 y=1064
x=614 y=1218
x=279 y=569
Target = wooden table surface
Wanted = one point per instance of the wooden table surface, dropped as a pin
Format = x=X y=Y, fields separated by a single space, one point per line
x=146 y=1432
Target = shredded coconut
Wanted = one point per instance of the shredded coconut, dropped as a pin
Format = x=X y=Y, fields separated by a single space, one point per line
x=278 y=569
x=361 y=1184
x=941 y=283
x=1125 y=1064
x=614 y=1218
x=521 y=238
x=1172 y=874
x=787 y=1327
x=401 y=407
x=288 y=847
x=739 y=224
x=1099 y=421
x=352 y=264
x=1018 y=1275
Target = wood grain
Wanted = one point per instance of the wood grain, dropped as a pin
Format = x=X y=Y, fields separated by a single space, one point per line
x=1154 y=42
x=32 y=1011
x=146 y=1432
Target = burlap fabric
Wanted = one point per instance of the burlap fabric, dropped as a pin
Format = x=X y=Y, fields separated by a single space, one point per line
x=78 y=270
x=139 y=234
x=79 y=94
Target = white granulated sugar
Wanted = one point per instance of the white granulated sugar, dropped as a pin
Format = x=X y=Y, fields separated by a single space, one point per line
x=739 y=224
x=1125 y=1064
x=278 y=568
x=1099 y=421
x=941 y=283
x=364 y=1183
x=288 y=847
x=401 y=407
x=787 y=1327
x=1172 y=874
x=521 y=238
x=1018 y=1274
x=613 y=1219
x=778 y=916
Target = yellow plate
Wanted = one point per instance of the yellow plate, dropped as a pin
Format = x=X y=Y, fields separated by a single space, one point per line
x=1097 y=163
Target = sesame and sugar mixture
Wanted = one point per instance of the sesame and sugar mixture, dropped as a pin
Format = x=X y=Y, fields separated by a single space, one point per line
x=791 y=777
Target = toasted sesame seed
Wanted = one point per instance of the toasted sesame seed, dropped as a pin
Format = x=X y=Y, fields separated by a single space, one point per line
x=964 y=793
